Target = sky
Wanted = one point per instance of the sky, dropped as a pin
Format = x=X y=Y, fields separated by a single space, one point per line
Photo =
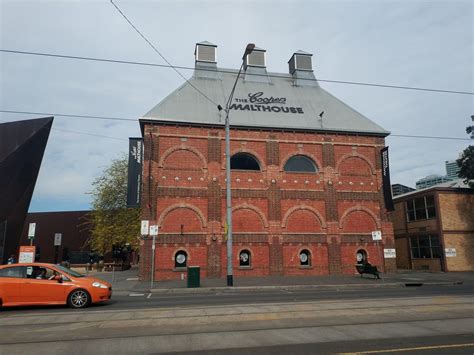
x=426 y=44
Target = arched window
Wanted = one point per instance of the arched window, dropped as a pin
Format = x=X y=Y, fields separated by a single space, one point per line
x=361 y=256
x=305 y=258
x=245 y=258
x=244 y=161
x=180 y=259
x=300 y=164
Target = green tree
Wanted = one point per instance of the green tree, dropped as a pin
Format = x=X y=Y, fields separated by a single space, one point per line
x=466 y=165
x=112 y=223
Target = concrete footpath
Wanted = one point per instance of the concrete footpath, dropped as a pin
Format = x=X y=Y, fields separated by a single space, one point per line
x=128 y=281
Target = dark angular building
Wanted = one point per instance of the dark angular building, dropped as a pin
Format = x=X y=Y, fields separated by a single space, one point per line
x=22 y=145
x=75 y=232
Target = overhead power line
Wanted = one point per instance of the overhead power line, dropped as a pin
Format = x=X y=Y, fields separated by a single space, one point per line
x=224 y=71
x=428 y=137
x=70 y=115
x=79 y=132
x=90 y=134
x=136 y=121
x=161 y=55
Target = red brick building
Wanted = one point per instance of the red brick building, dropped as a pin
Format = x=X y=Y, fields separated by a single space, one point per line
x=306 y=175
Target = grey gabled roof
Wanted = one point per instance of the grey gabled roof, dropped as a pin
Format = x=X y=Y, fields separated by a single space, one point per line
x=188 y=105
x=455 y=184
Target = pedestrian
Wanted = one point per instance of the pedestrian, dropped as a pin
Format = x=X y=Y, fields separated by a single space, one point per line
x=11 y=259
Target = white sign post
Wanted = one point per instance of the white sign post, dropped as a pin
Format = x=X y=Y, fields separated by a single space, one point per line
x=377 y=235
x=145 y=227
x=57 y=239
x=57 y=243
x=153 y=233
x=31 y=232
x=27 y=254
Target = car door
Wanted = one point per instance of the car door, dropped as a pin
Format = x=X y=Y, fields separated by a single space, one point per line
x=40 y=289
x=11 y=277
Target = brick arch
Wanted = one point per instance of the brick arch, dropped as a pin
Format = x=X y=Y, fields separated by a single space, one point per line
x=356 y=209
x=260 y=160
x=355 y=155
x=255 y=210
x=312 y=210
x=173 y=254
x=188 y=206
x=298 y=252
x=309 y=155
x=174 y=149
x=241 y=249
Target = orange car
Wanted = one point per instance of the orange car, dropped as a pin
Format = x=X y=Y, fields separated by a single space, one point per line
x=48 y=284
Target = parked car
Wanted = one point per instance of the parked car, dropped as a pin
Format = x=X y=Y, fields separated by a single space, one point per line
x=49 y=284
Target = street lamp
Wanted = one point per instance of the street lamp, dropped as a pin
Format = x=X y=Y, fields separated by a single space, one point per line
x=230 y=277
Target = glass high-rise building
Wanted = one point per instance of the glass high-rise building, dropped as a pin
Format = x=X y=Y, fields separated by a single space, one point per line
x=452 y=169
x=431 y=180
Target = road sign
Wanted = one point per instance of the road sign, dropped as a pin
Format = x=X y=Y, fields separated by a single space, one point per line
x=154 y=229
x=145 y=227
x=27 y=254
x=450 y=252
x=389 y=253
x=376 y=235
x=31 y=230
x=57 y=239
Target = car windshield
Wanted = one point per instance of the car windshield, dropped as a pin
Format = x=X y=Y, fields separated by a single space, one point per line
x=69 y=271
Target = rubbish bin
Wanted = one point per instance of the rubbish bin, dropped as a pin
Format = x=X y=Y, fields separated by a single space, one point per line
x=194 y=276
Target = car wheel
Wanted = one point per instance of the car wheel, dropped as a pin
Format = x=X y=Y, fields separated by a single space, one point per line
x=78 y=299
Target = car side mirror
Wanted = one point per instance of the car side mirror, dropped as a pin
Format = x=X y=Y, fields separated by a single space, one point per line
x=58 y=278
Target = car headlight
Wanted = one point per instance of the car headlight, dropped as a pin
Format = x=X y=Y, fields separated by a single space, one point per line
x=99 y=285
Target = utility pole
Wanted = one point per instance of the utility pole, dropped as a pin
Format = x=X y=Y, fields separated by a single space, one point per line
x=230 y=277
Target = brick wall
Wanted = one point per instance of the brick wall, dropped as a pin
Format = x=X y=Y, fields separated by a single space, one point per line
x=402 y=248
x=457 y=211
x=454 y=224
x=276 y=214
x=457 y=221
x=464 y=245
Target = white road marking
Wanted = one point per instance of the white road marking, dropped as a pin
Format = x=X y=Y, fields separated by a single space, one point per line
x=136 y=294
x=132 y=279
x=149 y=295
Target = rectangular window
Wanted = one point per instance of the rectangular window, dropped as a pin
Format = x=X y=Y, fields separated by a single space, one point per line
x=430 y=206
x=410 y=210
x=421 y=208
x=13 y=271
x=414 y=247
x=425 y=247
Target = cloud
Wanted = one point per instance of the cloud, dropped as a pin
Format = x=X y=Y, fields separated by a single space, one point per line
x=411 y=43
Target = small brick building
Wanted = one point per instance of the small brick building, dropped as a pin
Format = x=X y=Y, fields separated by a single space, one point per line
x=306 y=175
x=434 y=228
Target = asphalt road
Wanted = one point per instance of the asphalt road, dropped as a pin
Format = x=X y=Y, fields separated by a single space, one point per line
x=439 y=345
x=129 y=300
x=423 y=320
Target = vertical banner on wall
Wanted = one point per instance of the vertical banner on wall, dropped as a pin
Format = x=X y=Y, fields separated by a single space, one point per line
x=135 y=159
x=3 y=236
x=387 y=187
